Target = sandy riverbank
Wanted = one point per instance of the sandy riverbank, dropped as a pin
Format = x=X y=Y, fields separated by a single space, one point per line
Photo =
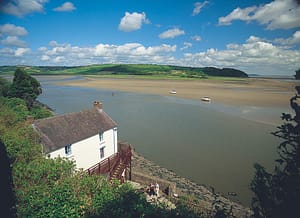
x=251 y=91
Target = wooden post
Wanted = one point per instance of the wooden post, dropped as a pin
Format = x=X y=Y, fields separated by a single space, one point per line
x=130 y=168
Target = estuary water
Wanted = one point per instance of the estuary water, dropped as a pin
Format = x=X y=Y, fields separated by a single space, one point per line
x=211 y=144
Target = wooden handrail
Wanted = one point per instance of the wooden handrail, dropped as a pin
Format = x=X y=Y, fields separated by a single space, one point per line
x=110 y=164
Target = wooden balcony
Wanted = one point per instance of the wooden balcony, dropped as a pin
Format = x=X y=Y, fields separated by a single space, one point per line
x=114 y=165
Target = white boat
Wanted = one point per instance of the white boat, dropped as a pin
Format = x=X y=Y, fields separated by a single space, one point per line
x=207 y=99
x=172 y=92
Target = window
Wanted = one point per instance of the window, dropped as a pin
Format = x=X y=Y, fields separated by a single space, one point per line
x=102 y=152
x=68 y=149
x=101 y=137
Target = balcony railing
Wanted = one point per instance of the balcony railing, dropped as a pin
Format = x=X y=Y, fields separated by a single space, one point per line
x=110 y=164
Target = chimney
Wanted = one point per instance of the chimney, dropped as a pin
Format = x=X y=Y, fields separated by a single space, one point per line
x=98 y=105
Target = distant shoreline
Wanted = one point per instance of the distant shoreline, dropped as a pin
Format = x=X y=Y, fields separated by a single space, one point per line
x=236 y=92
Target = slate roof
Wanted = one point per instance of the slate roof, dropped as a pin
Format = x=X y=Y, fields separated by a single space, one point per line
x=58 y=131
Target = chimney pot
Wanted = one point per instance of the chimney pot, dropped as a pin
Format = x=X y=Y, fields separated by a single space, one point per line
x=98 y=105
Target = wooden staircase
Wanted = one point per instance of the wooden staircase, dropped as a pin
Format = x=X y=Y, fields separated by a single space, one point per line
x=117 y=173
x=115 y=165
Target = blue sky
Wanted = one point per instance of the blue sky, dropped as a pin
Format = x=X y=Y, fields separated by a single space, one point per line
x=258 y=37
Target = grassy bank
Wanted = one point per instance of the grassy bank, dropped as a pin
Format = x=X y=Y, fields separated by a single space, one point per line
x=149 y=70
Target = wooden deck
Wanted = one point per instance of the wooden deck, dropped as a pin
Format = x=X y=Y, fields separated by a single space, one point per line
x=114 y=165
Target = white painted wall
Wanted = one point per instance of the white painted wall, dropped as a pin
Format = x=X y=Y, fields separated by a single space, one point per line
x=86 y=153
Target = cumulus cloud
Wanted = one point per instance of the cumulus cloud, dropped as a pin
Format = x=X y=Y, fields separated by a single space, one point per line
x=22 y=51
x=254 y=56
x=66 y=54
x=12 y=30
x=196 y=38
x=132 y=21
x=198 y=6
x=186 y=45
x=171 y=33
x=13 y=41
x=278 y=14
x=67 y=6
x=22 y=7
x=293 y=40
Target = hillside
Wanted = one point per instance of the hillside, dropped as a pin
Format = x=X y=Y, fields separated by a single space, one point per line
x=130 y=69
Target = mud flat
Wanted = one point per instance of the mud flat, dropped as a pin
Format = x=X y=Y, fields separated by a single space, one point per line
x=248 y=91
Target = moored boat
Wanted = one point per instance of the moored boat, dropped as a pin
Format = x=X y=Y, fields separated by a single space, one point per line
x=206 y=98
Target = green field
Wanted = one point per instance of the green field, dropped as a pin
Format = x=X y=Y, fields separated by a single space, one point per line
x=120 y=70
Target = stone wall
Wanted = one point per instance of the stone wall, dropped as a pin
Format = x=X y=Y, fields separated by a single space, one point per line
x=169 y=188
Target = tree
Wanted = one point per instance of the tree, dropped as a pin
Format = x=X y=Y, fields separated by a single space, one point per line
x=25 y=87
x=297 y=75
x=4 y=86
x=277 y=194
x=7 y=193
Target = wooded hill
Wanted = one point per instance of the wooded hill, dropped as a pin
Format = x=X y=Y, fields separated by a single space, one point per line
x=129 y=69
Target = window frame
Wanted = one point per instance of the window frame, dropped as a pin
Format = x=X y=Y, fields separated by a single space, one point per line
x=102 y=152
x=101 y=136
x=68 y=150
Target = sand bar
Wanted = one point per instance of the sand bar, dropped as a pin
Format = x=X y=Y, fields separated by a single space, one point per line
x=250 y=91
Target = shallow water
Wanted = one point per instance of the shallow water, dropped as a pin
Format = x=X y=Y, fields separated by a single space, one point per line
x=211 y=144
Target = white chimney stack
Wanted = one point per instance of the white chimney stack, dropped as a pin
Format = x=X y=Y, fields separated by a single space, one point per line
x=98 y=105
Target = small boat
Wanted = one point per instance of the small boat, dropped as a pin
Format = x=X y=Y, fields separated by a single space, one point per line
x=172 y=92
x=207 y=99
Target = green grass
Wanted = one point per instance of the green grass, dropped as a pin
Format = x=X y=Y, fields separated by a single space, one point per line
x=149 y=71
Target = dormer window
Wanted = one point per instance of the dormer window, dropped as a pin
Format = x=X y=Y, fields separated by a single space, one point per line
x=101 y=137
x=68 y=149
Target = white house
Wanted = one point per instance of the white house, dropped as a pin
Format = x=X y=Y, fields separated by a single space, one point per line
x=88 y=137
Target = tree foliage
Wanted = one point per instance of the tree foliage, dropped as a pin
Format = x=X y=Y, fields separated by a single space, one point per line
x=25 y=87
x=4 y=86
x=277 y=194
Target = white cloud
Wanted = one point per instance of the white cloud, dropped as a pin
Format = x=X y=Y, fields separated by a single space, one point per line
x=21 y=51
x=134 y=21
x=67 y=6
x=45 y=58
x=198 y=6
x=254 y=56
x=13 y=41
x=58 y=59
x=66 y=54
x=132 y=49
x=53 y=43
x=278 y=14
x=237 y=14
x=186 y=45
x=196 y=38
x=293 y=40
x=171 y=33
x=12 y=30
x=22 y=7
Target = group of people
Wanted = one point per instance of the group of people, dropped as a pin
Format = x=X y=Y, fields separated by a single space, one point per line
x=154 y=189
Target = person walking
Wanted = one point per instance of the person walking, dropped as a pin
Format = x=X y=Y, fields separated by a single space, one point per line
x=152 y=192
